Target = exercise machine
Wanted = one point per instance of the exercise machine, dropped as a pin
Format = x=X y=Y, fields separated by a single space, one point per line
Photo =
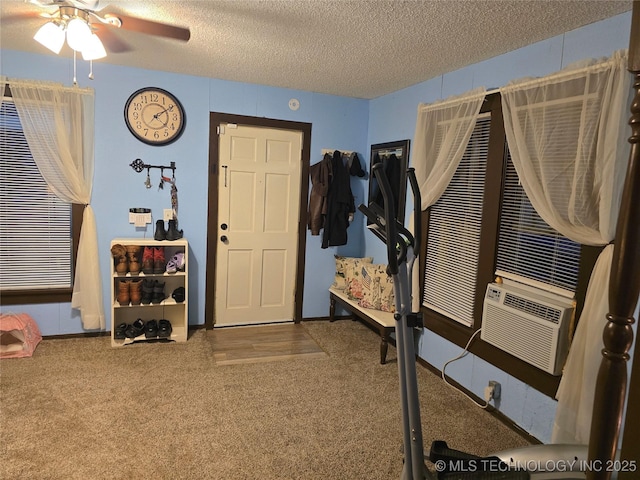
x=538 y=462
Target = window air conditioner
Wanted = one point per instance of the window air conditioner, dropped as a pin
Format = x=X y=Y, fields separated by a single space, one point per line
x=528 y=323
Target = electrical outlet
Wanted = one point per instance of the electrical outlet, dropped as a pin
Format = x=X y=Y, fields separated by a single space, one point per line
x=168 y=214
x=494 y=387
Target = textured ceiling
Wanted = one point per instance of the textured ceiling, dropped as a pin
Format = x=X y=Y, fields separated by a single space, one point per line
x=353 y=48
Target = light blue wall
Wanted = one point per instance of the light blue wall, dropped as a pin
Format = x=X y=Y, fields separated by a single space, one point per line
x=337 y=123
x=393 y=117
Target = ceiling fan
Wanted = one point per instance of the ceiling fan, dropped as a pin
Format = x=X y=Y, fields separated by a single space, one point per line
x=88 y=30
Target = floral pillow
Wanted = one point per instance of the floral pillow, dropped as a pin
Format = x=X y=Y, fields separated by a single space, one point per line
x=344 y=263
x=377 y=288
x=353 y=279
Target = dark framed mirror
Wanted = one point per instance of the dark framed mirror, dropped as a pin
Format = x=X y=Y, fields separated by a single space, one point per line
x=395 y=158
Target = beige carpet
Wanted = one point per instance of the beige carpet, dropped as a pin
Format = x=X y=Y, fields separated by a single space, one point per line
x=80 y=409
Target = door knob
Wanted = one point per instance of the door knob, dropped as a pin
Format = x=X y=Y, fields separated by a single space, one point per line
x=224 y=239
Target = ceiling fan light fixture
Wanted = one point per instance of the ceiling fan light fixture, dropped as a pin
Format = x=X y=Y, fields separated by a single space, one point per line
x=51 y=35
x=78 y=34
x=93 y=49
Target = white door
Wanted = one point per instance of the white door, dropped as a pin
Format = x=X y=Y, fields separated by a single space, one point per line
x=258 y=207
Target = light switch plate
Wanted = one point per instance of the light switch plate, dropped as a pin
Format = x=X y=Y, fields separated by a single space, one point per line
x=168 y=214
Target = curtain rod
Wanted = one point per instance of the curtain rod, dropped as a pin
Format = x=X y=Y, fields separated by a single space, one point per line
x=470 y=95
x=43 y=84
x=525 y=82
x=619 y=55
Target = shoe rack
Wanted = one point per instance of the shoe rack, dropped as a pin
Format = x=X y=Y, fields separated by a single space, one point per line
x=166 y=308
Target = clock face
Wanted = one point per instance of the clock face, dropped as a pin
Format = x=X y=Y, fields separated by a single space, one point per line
x=154 y=116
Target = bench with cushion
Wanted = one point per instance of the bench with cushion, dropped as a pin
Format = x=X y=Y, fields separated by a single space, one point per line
x=364 y=289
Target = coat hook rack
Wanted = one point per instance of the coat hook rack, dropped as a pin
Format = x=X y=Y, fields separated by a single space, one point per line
x=138 y=165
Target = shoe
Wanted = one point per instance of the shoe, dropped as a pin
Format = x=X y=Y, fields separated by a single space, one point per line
x=119 y=333
x=123 y=297
x=135 y=291
x=159 y=262
x=161 y=233
x=158 y=292
x=133 y=256
x=173 y=233
x=119 y=254
x=151 y=329
x=147 y=291
x=147 y=260
x=176 y=263
x=135 y=329
x=178 y=294
x=164 y=328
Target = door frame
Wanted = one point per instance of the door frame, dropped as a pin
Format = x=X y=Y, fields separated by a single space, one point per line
x=215 y=119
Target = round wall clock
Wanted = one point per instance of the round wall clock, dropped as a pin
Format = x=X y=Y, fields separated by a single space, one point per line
x=154 y=116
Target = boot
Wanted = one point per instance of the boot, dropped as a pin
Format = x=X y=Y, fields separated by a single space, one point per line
x=133 y=254
x=147 y=291
x=135 y=291
x=161 y=233
x=173 y=233
x=158 y=292
x=119 y=254
x=159 y=263
x=147 y=261
x=123 y=297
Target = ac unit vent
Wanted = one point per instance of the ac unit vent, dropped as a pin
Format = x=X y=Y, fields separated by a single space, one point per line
x=536 y=309
x=531 y=325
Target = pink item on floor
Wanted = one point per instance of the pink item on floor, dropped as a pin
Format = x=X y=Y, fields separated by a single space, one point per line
x=19 y=335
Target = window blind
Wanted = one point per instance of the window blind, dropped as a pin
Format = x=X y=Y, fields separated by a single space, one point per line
x=529 y=250
x=35 y=226
x=453 y=238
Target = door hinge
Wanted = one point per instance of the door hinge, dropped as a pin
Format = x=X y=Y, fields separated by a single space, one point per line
x=220 y=129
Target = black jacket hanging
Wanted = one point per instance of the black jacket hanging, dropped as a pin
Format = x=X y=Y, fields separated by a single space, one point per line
x=320 y=174
x=339 y=204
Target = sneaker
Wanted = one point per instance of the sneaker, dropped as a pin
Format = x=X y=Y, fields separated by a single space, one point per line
x=176 y=263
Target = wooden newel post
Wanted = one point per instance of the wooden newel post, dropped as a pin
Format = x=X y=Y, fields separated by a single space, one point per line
x=611 y=386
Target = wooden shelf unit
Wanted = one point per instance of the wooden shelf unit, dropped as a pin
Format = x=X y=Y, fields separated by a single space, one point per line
x=168 y=309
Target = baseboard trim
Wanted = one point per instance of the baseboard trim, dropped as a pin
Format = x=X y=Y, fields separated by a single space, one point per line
x=327 y=319
x=102 y=333
x=64 y=336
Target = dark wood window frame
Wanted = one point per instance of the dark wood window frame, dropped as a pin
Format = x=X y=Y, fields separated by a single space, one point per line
x=460 y=334
x=56 y=295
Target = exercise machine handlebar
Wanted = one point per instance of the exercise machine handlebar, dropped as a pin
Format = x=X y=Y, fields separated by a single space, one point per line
x=390 y=224
x=417 y=205
x=390 y=230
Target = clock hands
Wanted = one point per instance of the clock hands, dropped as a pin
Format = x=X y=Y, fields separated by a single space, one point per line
x=157 y=115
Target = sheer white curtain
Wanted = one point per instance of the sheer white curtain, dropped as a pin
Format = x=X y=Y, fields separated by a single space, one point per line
x=61 y=120
x=566 y=134
x=442 y=133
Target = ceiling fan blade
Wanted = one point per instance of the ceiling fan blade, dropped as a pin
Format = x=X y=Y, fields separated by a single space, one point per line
x=110 y=40
x=148 y=26
x=16 y=17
